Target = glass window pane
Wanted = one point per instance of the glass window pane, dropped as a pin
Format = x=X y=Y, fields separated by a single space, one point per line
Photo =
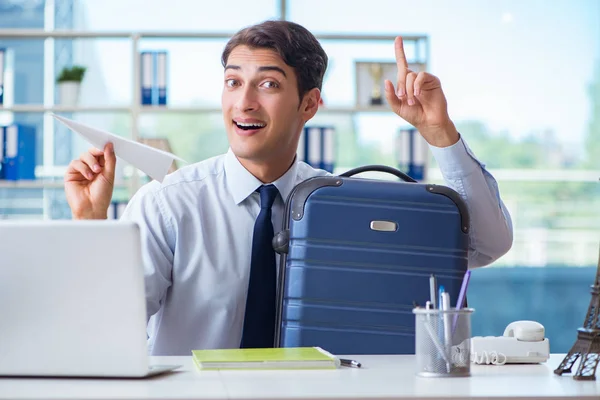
x=22 y=14
x=498 y=62
x=192 y=136
x=174 y=15
x=194 y=70
x=522 y=81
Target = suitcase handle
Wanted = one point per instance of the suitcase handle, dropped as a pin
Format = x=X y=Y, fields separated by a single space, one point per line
x=378 y=168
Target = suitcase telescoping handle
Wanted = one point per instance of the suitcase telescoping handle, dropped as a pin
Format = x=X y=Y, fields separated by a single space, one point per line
x=379 y=168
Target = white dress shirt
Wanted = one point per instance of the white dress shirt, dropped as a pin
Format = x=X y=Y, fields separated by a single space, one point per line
x=197 y=229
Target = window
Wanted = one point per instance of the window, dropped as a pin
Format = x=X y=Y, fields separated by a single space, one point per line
x=522 y=81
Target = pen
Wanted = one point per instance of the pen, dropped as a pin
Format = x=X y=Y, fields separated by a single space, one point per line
x=350 y=363
x=432 y=290
x=442 y=324
x=463 y=291
x=428 y=307
x=447 y=328
x=462 y=296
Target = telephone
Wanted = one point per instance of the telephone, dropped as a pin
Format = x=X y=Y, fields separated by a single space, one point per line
x=522 y=342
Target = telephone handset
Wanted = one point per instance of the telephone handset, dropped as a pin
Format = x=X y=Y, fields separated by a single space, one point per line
x=526 y=331
x=522 y=342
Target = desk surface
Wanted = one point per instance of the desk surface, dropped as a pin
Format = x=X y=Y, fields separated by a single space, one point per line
x=382 y=377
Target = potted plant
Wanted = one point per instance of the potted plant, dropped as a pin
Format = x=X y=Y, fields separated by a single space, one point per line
x=69 y=82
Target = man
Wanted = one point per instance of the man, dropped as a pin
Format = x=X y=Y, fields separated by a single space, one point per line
x=198 y=226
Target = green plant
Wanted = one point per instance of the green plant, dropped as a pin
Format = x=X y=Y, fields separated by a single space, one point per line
x=70 y=74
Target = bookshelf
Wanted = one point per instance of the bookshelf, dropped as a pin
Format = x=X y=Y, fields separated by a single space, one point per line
x=135 y=109
x=41 y=184
x=35 y=108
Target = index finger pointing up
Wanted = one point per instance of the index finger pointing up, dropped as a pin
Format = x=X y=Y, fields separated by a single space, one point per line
x=400 y=56
x=402 y=67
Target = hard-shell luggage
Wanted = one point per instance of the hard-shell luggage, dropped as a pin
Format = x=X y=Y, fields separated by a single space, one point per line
x=358 y=255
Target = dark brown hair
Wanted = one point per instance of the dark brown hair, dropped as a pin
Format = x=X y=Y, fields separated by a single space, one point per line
x=295 y=45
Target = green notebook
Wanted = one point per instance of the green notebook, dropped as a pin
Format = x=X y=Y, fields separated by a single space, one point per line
x=272 y=358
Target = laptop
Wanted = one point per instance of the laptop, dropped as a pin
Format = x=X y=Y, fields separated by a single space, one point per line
x=72 y=300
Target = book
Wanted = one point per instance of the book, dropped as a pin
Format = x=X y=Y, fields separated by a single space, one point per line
x=270 y=358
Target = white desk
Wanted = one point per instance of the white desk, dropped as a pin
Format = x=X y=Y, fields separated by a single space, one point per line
x=382 y=377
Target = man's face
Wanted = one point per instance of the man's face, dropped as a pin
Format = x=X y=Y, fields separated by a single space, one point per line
x=262 y=112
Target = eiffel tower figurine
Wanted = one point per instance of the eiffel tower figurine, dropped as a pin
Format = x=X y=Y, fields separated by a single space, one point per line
x=587 y=344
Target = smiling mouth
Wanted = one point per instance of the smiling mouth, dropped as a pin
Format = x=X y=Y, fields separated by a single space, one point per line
x=250 y=126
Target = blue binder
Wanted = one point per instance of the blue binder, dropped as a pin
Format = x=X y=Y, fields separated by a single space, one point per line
x=19 y=150
x=153 y=75
x=2 y=153
x=161 y=77
x=146 y=77
x=412 y=153
x=116 y=209
x=2 y=68
x=328 y=146
x=317 y=147
x=313 y=146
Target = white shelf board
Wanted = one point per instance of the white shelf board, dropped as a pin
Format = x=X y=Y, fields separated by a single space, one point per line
x=37 y=108
x=41 y=34
x=72 y=34
x=42 y=184
x=31 y=184
x=354 y=110
x=178 y=109
x=216 y=109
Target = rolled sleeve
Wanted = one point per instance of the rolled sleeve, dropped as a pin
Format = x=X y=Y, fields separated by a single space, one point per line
x=456 y=160
x=491 y=231
x=156 y=234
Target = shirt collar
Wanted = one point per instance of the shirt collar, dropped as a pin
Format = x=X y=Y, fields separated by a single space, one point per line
x=241 y=183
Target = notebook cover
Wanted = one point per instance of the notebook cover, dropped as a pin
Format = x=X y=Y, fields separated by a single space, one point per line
x=291 y=357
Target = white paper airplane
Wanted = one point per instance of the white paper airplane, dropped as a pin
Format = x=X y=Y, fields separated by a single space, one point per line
x=155 y=163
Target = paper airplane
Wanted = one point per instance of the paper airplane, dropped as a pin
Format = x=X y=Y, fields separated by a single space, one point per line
x=155 y=163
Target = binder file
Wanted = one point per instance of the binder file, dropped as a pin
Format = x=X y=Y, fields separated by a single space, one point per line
x=328 y=139
x=2 y=139
x=7 y=85
x=146 y=74
x=317 y=147
x=161 y=77
x=2 y=56
x=153 y=76
x=313 y=147
x=412 y=150
x=116 y=209
x=417 y=169
x=19 y=150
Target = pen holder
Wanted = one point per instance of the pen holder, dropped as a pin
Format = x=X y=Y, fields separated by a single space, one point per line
x=443 y=342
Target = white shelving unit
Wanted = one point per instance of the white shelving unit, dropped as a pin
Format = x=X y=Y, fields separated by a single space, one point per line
x=36 y=184
x=135 y=109
x=40 y=184
x=34 y=108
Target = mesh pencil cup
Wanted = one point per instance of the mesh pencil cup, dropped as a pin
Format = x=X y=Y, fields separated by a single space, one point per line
x=443 y=342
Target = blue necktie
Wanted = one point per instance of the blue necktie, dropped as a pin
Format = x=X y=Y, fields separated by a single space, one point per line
x=259 y=320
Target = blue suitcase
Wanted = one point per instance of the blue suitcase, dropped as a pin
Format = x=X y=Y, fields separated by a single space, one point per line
x=358 y=254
